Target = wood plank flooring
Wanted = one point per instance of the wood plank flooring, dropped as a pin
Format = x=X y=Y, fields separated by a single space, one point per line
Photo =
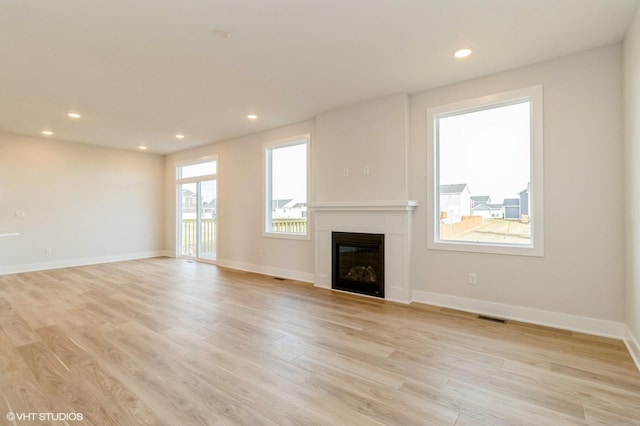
x=167 y=341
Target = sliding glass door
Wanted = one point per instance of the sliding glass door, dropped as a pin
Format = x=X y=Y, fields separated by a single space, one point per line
x=197 y=207
x=207 y=220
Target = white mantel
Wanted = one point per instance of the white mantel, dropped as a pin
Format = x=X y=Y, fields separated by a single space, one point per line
x=393 y=218
x=355 y=206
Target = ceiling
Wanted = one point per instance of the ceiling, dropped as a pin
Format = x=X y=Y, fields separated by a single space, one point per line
x=141 y=71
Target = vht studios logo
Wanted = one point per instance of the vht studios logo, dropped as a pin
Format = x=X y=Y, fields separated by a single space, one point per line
x=44 y=417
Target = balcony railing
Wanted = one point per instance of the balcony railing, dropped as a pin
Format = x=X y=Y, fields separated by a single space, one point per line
x=292 y=226
x=190 y=234
x=190 y=237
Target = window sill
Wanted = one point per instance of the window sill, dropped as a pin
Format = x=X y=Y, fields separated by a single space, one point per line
x=487 y=248
x=287 y=236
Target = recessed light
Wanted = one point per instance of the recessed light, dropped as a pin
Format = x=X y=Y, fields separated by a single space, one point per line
x=462 y=53
x=252 y=117
x=142 y=147
x=47 y=132
x=74 y=115
x=179 y=136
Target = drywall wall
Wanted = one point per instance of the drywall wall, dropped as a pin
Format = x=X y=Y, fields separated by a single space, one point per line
x=84 y=203
x=240 y=206
x=632 y=180
x=372 y=135
x=581 y=273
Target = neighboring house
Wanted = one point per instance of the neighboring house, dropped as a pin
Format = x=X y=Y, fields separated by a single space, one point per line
x=497 y=211
x=190 y=204
x=477 y=200
x=511 y=208
x=301 y=208
x=525 y=200
x=481 y=210
x=289 y=209
x=487 y=210
x=209 y=209
x=455 y=202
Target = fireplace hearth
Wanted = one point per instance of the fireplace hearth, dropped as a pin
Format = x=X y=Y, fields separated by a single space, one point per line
x=358 y=263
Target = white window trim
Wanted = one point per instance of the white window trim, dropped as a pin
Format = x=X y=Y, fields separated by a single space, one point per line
x=266 y=194
x=535 y=95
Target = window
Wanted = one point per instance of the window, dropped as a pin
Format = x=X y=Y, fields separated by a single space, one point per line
x=487 y=181
x=197 y=169
x=197 y=205
x=286 y=178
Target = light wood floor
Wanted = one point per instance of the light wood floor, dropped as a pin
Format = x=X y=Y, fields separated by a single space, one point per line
x=166 y=341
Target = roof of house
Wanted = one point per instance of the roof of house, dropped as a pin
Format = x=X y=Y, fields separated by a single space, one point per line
x=278 y=204
x=480 y=198
x=455 y=188
x=511 y=202
x=485 y=207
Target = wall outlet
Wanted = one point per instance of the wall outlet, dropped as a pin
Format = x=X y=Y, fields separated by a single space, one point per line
x=345 y=172
x=473 y=279
x=367 y=170
x=48 y=251
x=19 y=214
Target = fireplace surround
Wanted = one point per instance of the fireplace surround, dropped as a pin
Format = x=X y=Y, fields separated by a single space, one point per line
x=393 y=219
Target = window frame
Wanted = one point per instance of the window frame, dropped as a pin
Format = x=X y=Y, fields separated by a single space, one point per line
x=193 y=179
x=534 y=94
x=268 y=148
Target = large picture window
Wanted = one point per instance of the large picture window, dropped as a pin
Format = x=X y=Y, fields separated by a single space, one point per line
x=286 y=178
x=487 y=182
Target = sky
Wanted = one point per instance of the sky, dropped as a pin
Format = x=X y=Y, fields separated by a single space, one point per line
x=489 y=150
x=208 y=188
x=199 y=169
x=289 y=170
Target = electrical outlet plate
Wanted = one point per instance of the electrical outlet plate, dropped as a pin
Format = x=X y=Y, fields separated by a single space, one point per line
x=473 y=279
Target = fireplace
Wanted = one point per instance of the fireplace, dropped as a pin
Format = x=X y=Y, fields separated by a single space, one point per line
x=358 y=263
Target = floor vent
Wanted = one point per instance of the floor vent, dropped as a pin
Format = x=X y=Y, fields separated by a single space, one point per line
x=279 y=279
x=483 y=317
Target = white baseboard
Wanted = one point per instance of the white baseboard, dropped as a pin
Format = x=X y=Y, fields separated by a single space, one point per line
x=632 y=345
x=267 y=270
x=71 y=263
x=518 y=313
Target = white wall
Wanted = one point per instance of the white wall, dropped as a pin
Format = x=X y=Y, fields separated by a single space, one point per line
x=88 y=204
x=373 y=134
x=581 y=273
x=632 y=179
x=240 y=206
